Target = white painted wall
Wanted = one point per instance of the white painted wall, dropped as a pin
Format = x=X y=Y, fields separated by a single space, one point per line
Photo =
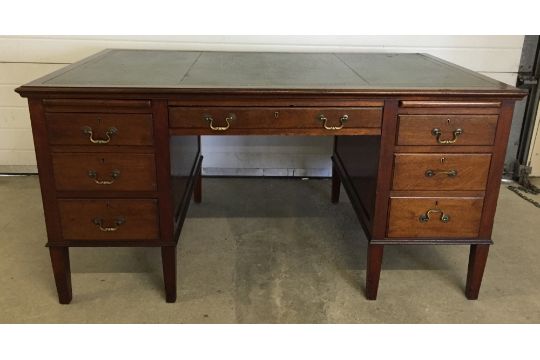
x=27 y=57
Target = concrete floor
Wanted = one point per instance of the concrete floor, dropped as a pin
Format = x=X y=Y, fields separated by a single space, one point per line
x=267 y=251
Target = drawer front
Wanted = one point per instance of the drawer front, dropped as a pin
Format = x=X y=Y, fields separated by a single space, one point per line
x=441 y=217
x=99 y=129
x=447 y=129
x=441 y=171
x=109 y=219
x=104 y=172
x=220 y=118
x=97 y=105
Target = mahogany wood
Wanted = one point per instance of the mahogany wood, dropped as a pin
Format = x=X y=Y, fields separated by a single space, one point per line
x=44 y=165
x=166 y=201
x=450 y=110
x=168 y=258
x=279 y=101
x=274 y=117
x=496 y=169
x=282 y=131
x=362 y=175
x=95 y=148
x=88 y=171
x=112 y=243
x=449 y=104
x=464 y=217
x=156 y=100
x=197 y=193
x=336 y=185
x=383 y=186
x=359 y=208
x=431 y=241
x=92 y=106
x=106 y=194
x=444 y=149
x=140 y=219
x=132 y=129
x=477 y=263
x=417 y=129
x=181 y=207
x=62 y=273
x=440 y=171
x=385 y=170
x=436 y=193
x=373 y=270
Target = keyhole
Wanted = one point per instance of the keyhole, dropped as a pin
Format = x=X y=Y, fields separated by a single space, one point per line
x=103 y=160
x=99 y=120
x=443 y=160
x=436 y=203
x=276 y=114
x=448 y=121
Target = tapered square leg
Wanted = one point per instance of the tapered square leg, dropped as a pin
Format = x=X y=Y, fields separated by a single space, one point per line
x=168 y=258
x=477 y=263
x=336 y=185
x=62 y=273
x=197 y=191
x=373 y=270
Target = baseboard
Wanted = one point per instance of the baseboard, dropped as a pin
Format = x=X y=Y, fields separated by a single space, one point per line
x=18 y=169
x=263 y=172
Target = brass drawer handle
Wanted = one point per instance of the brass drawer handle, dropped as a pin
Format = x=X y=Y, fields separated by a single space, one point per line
x=431 y=173
x=342 y=121
x=438 y=133
x=118 y=222
x=92 y=174
x=228 y=119
x=424 y=218
x=87 y=130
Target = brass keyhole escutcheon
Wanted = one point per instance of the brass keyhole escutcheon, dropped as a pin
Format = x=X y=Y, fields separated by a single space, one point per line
x=276 y=114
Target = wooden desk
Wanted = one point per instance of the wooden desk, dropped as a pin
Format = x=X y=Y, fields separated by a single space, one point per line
x=419 y=144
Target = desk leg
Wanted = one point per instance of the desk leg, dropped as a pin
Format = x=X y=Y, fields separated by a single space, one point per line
x=336 y=185
x=62 y=273
x=373 y=270
x=168 y=258
x=197 y=191
x=477 y=263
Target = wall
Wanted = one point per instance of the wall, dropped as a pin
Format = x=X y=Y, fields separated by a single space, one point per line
x=27 y=57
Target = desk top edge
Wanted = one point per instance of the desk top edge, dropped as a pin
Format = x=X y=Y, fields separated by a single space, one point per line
x=346 y=67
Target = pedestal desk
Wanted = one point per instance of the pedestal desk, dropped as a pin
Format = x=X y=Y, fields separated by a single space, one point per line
x=419 y=144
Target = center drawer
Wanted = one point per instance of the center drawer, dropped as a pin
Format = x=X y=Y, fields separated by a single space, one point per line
x=223 y=118
x=440 y=171
x=109 y=219
x=104 y=171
